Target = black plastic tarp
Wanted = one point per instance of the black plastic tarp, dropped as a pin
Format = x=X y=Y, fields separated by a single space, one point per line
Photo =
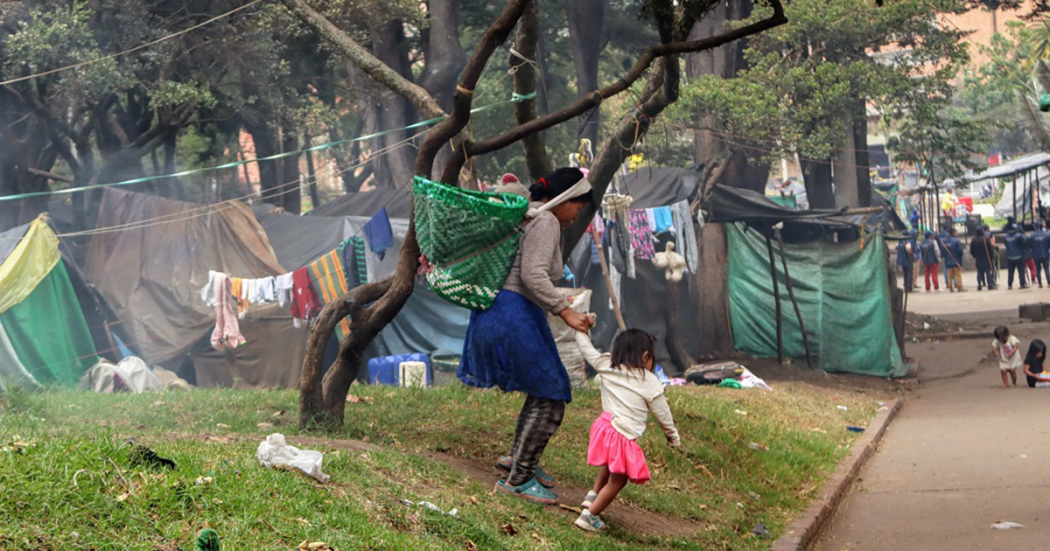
x=398 y=203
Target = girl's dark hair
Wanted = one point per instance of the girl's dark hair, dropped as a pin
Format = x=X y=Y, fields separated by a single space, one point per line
x=629 y=349
x=557 y=183
x=1001 y=332
x=1034 y=349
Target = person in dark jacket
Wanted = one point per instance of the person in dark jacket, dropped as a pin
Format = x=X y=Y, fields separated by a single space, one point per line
x=983 y=251
x=953 y=261
x=1015 y=252
x=941 y=238
x=996 y=261
x=1028 y=261
x=1040 y=245
x=906 y=260
x=930 y=262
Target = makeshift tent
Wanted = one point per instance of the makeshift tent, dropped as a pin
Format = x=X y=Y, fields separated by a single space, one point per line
x=151 y=272
x=44 y=338
x=1016 y=199
x=398 y=203
x=842 y=293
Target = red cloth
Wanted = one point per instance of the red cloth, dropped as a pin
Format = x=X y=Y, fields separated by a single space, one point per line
x=931 y=269
x=305 y=304
x=610 y=448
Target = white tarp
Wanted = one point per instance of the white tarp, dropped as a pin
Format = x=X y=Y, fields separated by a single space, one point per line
x=130 y=375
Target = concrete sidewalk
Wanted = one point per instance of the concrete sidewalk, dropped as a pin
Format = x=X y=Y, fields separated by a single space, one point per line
x=972 y=301
x=963 y=454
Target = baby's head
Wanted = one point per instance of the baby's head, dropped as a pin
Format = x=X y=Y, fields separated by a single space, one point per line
x=634 y=349
x=1002 y=334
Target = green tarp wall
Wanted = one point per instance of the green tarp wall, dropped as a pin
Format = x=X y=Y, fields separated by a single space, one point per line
x=842 y=292
x=48 y=331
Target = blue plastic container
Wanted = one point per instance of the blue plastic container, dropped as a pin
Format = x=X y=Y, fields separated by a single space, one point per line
x=384 y=370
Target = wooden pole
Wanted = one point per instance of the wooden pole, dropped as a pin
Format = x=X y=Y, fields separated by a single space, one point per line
x=794 y=303
x=608 y=283
x=776 y=297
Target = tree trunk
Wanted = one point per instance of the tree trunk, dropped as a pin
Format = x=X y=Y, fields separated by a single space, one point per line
x=311 y=175
x=292 y=197
x=394 y=167
x=444 y=59
x=726 y=62
x=172 y=187
x=673 y=303
x=845 y=169
x=537 y=161
x=715 y=335
x=863 y=160
x=817 y=175
x=265 y=140
x=586 y=19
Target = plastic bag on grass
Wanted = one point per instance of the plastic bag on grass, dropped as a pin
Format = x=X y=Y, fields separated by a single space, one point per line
x=275 y=452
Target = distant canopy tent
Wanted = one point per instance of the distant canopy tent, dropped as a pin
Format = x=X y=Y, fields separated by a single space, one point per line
x=1021 y=174
x=44 y=338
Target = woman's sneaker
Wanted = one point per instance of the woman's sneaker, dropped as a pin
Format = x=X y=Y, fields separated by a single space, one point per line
x=589 y=523
x=587 y=501
x=531 y=490
x=506 y=463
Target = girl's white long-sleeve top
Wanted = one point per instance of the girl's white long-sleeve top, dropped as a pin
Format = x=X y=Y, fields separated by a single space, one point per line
x=629 y=395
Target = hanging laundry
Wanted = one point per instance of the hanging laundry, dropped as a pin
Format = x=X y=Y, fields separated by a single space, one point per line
x=597 y=229
x=379 y=233
x=227 y=333
x=650 y=215
x=208 y=291
x=237 y=290
x=305 y=304
x=685 y=236
x=283 y=285
x=360 y=261
x=328 y=277
x=664 y=220
x=641 y=235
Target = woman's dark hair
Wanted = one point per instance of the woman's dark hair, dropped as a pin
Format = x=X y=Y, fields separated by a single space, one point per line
x=1001 y=333
x=1034 y=350
x=629 y=349
x=557 y=183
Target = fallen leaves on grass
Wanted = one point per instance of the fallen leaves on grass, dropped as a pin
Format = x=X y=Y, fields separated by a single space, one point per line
x=576 y=510
x=17 y=445
x=315 y=546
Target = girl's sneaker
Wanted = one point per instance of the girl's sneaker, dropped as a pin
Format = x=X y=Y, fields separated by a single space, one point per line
x=587 y=501
x=590 y=523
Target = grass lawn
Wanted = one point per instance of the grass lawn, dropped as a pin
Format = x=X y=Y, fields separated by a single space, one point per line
x=67 y=479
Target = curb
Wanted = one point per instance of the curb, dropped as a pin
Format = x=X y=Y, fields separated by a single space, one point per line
x=804 y=530
x=944 y=336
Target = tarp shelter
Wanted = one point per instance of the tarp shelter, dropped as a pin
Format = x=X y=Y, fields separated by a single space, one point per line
x=1016 y=199
x=398 y=203
x=44 y=338
x=842 y=293
x=842 y=289
x=151 y=272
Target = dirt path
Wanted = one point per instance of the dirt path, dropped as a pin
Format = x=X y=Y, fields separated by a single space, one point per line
x=964 y=453
x=632 y=518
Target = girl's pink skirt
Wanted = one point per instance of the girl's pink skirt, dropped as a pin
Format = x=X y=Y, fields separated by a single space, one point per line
x=610 y=448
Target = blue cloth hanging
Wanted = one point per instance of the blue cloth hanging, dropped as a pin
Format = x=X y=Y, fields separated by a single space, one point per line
x=379 y=233
x=664 y=219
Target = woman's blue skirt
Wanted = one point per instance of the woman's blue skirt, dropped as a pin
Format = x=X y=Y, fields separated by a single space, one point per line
x=511 y=346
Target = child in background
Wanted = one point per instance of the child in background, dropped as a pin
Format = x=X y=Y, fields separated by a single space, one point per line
x=1033 y=364
x=630 y=391
x=1007 y=348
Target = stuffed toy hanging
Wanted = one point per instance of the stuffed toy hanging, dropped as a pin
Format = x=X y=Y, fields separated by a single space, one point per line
x=673 y=263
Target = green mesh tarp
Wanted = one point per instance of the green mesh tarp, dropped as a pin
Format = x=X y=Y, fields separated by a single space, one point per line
x=48 y=331
x=842 y=292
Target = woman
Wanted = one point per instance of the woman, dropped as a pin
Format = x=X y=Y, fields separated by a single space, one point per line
x=511 y=345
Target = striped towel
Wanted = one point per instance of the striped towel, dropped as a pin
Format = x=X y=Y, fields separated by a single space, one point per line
x=329 y=280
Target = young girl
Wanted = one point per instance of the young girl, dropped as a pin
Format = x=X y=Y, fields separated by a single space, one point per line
x=630 y=391
x=1033 y=364
x=1007 y=348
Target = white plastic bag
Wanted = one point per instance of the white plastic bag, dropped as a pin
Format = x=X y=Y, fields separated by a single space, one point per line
x=275 y=452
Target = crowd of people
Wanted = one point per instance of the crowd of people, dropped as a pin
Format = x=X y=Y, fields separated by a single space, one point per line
x=1027 y=258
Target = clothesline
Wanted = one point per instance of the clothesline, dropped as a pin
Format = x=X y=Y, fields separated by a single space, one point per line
x=305 y=290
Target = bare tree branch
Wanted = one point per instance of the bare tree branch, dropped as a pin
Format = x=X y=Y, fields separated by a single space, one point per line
x=581 y=106
x=362 y=58
x=537 y=160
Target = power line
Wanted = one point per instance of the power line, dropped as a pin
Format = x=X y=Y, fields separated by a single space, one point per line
x=130 y=50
